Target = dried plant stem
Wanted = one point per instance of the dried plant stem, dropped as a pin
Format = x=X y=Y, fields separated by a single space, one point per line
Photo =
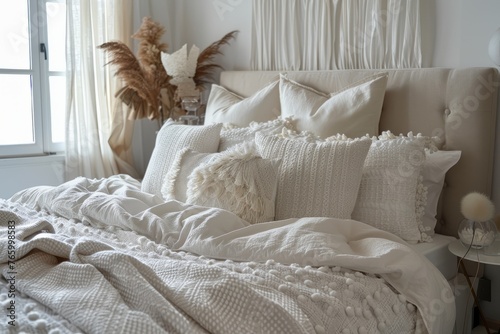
x=147 y=89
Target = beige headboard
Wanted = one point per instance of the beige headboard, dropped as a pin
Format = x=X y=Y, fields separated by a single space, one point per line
x=458 y=105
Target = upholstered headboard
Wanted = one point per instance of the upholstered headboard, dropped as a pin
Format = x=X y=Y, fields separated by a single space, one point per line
x=458 y=105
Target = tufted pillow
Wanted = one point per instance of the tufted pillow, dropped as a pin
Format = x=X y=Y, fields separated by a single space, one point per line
x=354 y=111
x=224 y=106
x=231 y=136
x=316 y=179
x=238 y=180
x=391 y=195
x=172 y=138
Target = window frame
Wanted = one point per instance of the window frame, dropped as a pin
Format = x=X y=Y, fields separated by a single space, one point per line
x=40 y=89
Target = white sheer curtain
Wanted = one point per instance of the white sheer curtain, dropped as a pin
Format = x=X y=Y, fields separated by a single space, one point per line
x=91 y=105
x=335 y=34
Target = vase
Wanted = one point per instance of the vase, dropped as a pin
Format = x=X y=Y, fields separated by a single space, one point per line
x=190 y=104
x=477 y=234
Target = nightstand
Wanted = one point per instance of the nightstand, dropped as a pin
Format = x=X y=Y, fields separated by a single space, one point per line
x=475 y=255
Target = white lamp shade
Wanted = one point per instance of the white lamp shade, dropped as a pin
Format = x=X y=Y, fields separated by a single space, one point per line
x=494 y=47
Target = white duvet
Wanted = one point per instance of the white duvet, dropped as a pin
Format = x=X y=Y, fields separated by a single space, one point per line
x=315 y=275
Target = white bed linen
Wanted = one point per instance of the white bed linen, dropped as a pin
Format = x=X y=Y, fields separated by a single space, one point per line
x=117 y=202
x=437 y=252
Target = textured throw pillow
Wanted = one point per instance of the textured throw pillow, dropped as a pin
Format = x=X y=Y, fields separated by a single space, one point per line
x=175 y=183
x=354 y=111
x=224 y=106
x=238 y=180
x=316 y=179
x=231 y=136
x=391 y=195
x=435 y=168
x=172 y=138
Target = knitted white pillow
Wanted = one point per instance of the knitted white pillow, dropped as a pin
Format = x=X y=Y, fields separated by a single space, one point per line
x=354 y=111
x=316 y=179
x=238 y=180
x=231 y=136
x=224 y=106
x=172 y=138
x=391 y=195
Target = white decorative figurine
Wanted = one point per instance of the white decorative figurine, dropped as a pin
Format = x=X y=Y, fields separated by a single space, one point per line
x=182 y=68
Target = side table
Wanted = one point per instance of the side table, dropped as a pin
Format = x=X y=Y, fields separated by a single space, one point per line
x=474 y=255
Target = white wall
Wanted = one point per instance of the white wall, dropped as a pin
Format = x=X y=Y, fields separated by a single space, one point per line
x=207 y=21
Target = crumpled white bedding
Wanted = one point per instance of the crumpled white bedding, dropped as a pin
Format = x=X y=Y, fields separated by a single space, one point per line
x=106 y=257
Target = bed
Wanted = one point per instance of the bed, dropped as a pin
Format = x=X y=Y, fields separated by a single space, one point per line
x=306 y=203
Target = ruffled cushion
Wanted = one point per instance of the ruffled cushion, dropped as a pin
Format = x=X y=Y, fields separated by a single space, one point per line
x=391 y=194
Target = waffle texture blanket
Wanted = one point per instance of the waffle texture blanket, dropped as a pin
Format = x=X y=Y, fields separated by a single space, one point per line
x=100 y=256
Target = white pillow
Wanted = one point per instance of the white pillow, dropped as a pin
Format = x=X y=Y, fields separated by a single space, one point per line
x=172 y=138
x=224 y=106
x=231 y=136
x=435 y=168
x=317 y=179
x=237 y=180
x=391 y=195
x=174 y=185
x=354 y=111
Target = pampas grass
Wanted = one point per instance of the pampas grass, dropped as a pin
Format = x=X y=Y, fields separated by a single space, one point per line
x=206 y=67
x=477 y=207
x=146 y=83
x=143 y=76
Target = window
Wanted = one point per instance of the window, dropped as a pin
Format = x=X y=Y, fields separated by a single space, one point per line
x=32 y=76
